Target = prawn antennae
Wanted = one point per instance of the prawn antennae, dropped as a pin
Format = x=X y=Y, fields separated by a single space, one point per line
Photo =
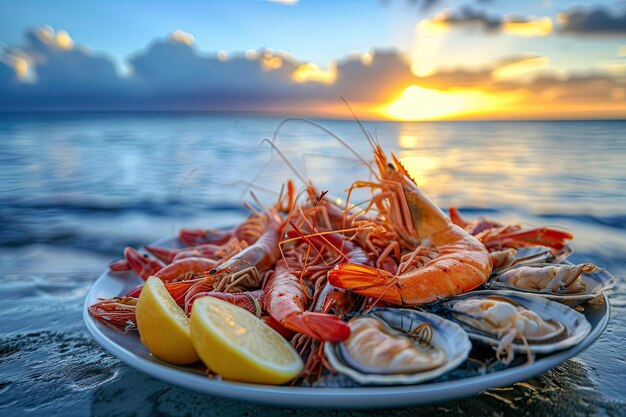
x=180 y=193
x=369 y=137
x=327 y=131
x=251 y=185
x=257 y=176
x=256 y=200
x=284 y=158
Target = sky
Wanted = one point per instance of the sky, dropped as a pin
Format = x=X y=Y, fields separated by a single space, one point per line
x=399 y=60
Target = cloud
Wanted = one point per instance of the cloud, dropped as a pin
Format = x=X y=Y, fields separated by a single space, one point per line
x=457 y=78
x=373 y=77
x=520 y=66
x=471 y=17
x=593 y=21
x=8 y=75
x=597 y=21
x=524 y=85
x=178 y=36
x=178 y=74
x=50 y=71
x=513 y=67
x=577 y=87
x=425 y=5
x=54 y=72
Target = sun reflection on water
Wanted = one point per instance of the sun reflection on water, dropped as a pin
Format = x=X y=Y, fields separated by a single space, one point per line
x=408 y=141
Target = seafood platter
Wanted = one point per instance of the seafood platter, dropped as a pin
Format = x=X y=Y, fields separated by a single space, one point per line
x=315 y=301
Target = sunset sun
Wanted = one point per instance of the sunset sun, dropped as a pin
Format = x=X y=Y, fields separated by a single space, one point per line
x=417 y=103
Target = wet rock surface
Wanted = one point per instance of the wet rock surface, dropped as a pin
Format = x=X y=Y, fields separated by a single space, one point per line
x=50 y=365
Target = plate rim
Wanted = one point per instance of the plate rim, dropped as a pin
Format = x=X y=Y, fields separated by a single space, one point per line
x=335 y=397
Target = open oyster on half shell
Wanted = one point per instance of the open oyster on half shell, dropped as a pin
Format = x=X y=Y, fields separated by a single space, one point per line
x=506 y=259
x=390 y=346
x=515 y=322
x=567 y=283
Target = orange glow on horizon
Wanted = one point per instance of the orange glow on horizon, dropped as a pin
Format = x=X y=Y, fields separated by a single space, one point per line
x=418 y=103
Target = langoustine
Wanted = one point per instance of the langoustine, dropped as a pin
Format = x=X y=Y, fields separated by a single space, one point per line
x=454 y=261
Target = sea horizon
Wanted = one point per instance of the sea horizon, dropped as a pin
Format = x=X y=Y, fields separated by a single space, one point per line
x=264 y=114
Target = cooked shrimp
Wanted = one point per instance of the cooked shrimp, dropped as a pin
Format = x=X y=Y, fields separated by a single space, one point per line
x=455 y=262
x=286 y=301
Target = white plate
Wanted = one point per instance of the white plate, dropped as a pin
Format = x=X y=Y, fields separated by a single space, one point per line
x=130 y=350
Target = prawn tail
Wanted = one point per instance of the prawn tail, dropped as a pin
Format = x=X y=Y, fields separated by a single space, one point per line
x=355 y=277
x=320 y=326
x=119 y=265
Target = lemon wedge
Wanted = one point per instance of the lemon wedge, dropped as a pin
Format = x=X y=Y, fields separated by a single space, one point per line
x=163 y=325
x=240 y=347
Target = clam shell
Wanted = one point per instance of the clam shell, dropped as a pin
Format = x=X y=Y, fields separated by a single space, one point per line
x=596 y=282
x=447 y=336
x=575 y=323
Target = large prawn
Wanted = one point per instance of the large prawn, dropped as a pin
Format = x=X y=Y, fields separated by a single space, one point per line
x=286 y=301
x=287 y=294
x=182 y=269
x=244 y=270
x=445 y=261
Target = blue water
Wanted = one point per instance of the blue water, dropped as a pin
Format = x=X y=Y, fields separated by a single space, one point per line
x=76 y=188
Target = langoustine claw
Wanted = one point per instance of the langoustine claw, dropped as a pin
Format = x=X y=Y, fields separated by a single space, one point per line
x=496 y=236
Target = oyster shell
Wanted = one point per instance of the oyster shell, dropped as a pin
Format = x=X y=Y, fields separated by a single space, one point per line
x=390 y=346
x=535 y=324
x=530 y=255
x=566 y=283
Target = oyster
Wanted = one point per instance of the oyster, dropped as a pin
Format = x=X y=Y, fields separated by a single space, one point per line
x=515 y=322
x=566 y=283
x=399 y=346
x=530 y=255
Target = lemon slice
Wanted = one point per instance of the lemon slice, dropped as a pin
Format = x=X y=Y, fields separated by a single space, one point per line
x=240 y=347
x=163 y=325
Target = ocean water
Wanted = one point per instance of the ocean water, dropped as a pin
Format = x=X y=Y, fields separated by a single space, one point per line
x=75 y=189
